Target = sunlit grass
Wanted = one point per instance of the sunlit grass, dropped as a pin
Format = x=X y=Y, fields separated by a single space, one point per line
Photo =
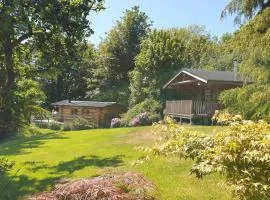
x=50 y=156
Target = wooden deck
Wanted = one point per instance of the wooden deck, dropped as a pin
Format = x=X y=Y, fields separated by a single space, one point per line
x=190 y=109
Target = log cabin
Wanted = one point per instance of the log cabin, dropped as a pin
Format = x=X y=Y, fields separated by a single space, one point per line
x=197 y=91
x=97 y=113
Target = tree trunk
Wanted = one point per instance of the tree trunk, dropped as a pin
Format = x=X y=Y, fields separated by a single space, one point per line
x=7 y=122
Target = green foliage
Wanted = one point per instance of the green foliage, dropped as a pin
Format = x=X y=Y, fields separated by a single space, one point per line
x=150 y=106
x=251 y=101
x=241 y=154
x=5 y=166
x=65 y=73
x=41 y=124
x=115 y=57
x=225 y=118
x=250 y=45
x=244 y=9
x=163 y=53
x=81 y=124
x=55 y=125
x=67 y=126
x=30 y=29
x=78 y=123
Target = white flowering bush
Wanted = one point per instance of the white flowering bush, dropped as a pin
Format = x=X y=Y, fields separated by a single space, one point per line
x=225 y=118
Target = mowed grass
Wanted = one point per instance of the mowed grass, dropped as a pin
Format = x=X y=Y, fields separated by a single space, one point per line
x=46 y=158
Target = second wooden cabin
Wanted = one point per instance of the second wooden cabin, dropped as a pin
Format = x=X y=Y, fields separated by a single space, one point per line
x=196 y=92
x=97 y=113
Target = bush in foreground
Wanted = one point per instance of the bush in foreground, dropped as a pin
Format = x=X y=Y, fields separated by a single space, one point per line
x=241 y=154
x=130 y=186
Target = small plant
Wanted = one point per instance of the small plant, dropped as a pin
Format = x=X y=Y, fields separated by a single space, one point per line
x=141 y=120
x=81 y=124
x=225 y=118
x=5 y=166
x=150 y=106
x=115 y=122
x=67 y=126
x=42 y=124
x=55 y=125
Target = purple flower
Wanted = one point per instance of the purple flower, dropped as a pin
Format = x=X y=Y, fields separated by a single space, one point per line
x=140 y=120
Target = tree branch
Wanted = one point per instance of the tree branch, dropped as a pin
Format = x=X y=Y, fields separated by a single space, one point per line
x=23 y=37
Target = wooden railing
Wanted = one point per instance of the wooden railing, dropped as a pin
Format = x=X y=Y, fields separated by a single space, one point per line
x=189 y=108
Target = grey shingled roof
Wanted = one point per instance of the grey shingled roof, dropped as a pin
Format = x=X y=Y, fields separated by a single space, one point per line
x=216 y=75
x=96 y=104
x=207 y=75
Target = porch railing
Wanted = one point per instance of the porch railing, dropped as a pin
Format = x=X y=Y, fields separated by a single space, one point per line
x=190 y=108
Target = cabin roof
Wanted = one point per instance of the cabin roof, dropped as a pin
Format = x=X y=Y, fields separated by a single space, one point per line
x=97 y=104
x=207 y=75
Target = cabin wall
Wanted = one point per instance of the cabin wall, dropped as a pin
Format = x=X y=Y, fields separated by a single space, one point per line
x=99 y=117
x=205 y=92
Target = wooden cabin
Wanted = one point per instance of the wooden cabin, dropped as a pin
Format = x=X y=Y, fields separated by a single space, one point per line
x=97 y=113
x=197 y=92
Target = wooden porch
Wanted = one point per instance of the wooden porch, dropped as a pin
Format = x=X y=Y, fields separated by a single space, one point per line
x=190 y=109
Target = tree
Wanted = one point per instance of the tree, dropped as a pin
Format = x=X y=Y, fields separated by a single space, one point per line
x=245 y=9
x=27 y=25
x=162 y=55
x=63 y=75
x=116 y=55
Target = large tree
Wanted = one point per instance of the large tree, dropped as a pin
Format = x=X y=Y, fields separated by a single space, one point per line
x=27 y=25
x=162 y=55
x=245 y=9
x=116 y=56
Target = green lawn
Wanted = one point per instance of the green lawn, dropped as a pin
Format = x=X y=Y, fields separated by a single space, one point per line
x=51 y=156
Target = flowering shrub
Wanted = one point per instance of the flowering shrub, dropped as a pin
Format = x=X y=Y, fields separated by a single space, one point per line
x=152 y=107
x=115 y=122
x=141 y=120
x=225 y=118
x=241 y=154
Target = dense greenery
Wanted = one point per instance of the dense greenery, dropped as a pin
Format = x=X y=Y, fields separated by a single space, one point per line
x=48 y=59
x=150 y=106
x=250 y=45
x=115 y=57
x=241 y=154
x=27 y=29
x=163 y=54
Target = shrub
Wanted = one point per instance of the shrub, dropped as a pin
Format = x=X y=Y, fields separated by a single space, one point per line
x=42 y=124
x=241 y=154
x=225 y=118
x=115 y=122
x=67 y=126
x=141 y=120
x=55 y=125
x=81 y=124
x=5 y=166
x=150 y=106
x=251 y=101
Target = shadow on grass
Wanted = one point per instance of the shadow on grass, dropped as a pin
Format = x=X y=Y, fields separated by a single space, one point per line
x=21 y=185
x=18 y=145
